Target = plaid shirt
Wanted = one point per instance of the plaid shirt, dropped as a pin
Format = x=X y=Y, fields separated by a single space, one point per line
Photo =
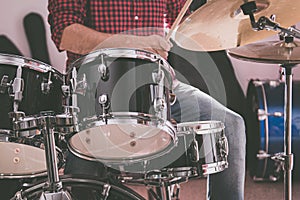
x=139 y=17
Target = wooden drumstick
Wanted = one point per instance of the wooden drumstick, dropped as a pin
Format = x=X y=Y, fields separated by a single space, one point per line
x=179 y=18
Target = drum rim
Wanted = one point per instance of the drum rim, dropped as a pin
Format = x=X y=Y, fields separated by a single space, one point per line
x=11 y=59
x=208 y=126
x=69 y=180
x=166 y=126
x=122 y=53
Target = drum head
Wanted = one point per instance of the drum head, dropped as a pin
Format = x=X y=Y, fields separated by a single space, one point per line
x=121 y=142
x=21 y=161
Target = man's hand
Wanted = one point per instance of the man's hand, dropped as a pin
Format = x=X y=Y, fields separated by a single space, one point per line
x=152 y=43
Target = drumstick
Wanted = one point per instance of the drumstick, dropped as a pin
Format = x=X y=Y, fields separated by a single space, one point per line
x=179 y=18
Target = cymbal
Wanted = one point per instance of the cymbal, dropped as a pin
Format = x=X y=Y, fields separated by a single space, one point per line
x=273 y=52
x=220 y=25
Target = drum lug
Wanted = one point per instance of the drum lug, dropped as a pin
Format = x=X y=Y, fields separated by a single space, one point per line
x=4 y=84
x=103 y=69
x=158 y=76
x=195 y=151
x=106 y=190
x=46 y=86
x=159 y=105
x=223 y=144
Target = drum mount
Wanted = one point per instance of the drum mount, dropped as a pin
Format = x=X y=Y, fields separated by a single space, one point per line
x=287 y=63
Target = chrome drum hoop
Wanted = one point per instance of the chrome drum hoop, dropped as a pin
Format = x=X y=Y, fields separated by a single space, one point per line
x=120 y=119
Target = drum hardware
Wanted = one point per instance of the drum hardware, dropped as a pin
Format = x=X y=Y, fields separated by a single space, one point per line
x=4 y=84
x=18 y=87
x=46 y=86
x=285 y=54
x=98 y=189
x=53 y=187
x=227 y=28
x=104 y=102
x=265 y=23
x=262 y=114
x=103 y=69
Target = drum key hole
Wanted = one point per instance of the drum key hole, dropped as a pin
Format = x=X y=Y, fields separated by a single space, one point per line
x=132 y=134
x=16 y=160
x=17 y=150
x=132 y=143
x=88 y=140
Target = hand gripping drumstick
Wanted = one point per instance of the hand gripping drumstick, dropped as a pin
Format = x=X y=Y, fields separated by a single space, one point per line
x=179 y=18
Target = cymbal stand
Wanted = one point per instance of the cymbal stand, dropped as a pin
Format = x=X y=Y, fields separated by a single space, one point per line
x=286 y=158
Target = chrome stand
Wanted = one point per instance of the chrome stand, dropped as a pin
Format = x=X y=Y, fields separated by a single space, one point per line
x=287 y=158
x=53 y=188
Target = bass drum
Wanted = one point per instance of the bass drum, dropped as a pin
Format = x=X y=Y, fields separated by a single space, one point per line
x=265 y=128
x=81 y=189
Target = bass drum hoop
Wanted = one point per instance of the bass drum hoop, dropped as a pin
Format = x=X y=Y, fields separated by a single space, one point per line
x=68 y=181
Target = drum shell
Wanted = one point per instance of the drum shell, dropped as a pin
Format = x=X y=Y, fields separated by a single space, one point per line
x=209 y=145
x=34 y=100
x=130 y=84
x=182 y=161
x=265 y=133
x=136 y=85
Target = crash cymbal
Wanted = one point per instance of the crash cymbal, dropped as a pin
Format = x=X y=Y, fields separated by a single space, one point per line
x=220 y=25
x=273 y=52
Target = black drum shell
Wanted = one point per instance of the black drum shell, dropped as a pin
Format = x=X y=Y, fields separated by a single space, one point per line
x=34 y=99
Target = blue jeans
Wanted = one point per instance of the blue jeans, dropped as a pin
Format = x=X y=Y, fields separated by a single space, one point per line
x=194 y=105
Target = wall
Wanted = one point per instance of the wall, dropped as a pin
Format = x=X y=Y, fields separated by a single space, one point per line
x=12 y=13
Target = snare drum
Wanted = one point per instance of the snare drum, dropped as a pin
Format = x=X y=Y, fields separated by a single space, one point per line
x=265 y=125
x=203 y=146
x=123 y=98
x=36 y=85
x=202 y=149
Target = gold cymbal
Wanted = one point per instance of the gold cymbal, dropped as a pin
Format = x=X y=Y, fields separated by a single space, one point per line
x=273 y=52
x=221 y=24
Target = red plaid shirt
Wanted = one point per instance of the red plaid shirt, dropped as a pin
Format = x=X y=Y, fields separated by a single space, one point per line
x=139 y=17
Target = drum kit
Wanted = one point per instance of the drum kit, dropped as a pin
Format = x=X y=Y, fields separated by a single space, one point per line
x=119 y=116
x=113 y=107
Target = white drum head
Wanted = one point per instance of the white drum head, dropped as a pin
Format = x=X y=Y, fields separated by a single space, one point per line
x=20 y=160
x=120 y=142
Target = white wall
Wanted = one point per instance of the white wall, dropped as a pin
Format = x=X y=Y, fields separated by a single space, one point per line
x=12 y=13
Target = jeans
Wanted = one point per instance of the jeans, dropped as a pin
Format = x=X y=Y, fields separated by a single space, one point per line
x=194 y=105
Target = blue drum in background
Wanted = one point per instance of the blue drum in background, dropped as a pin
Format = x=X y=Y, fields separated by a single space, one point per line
x=265 y=128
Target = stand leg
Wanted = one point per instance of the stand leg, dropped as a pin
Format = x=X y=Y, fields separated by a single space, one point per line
x=288 y=135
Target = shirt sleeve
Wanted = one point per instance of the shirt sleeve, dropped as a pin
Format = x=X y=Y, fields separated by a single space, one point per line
x=174 y=7
x=63 y=13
